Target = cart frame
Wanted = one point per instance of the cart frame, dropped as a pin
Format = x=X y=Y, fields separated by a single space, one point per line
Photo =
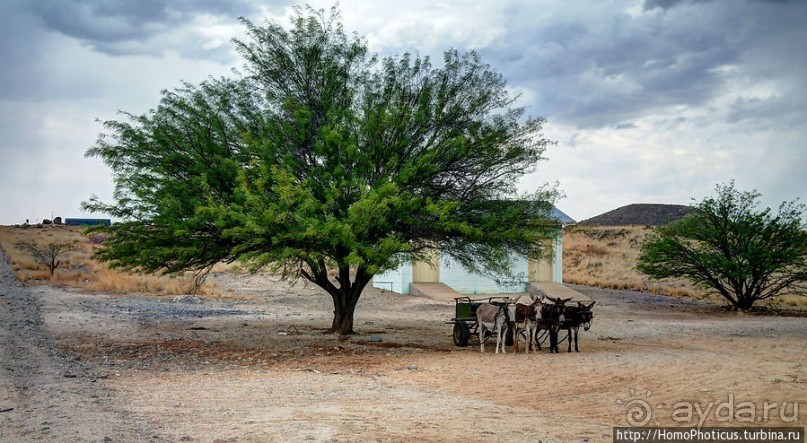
x=464 y=320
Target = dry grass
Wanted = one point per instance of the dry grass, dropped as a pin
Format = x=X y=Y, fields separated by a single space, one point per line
x=603 y=256
x=606 y=256
x=593 y=256
x=79 y=269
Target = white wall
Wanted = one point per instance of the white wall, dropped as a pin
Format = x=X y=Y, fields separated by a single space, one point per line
x=557 y=258
x=395 y=280
x=456 y=277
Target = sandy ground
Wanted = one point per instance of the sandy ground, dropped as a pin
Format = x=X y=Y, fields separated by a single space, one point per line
x=255 y=366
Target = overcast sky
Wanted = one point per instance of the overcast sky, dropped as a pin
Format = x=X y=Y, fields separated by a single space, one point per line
x=650 y=101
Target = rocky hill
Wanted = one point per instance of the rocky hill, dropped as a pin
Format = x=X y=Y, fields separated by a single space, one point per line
x=647 y=214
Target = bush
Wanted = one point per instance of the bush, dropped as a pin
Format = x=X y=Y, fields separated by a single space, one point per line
x=49 y=255
x=730 y=248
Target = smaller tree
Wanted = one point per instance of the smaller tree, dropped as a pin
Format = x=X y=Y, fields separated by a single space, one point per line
x=48 y=255
x=728 y=246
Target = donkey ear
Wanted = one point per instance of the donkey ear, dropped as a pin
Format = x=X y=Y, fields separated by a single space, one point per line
x=565 y=301
x=592 y=304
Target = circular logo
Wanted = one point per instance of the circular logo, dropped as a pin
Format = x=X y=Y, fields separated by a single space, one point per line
x=639 y=412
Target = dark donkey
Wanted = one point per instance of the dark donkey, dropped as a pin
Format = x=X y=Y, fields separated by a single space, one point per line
x=574 y=317
x=552 y=318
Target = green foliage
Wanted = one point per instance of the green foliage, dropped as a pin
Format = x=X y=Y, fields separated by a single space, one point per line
x=320 y=157
x=730 y=247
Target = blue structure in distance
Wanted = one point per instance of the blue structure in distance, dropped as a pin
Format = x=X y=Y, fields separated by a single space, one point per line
x=87 y=221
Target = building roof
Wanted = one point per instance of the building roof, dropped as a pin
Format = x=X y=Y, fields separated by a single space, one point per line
x=560 y=216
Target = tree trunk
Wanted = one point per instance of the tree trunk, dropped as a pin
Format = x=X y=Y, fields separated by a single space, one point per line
x=344 y=306
x=345 y=296
x=745 y=303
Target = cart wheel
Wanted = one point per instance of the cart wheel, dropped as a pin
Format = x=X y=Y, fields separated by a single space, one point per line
x=461 y=334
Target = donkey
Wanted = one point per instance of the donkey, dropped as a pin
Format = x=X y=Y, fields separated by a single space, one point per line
x=526 y=318
x=495 y=318
x=552 y=319
x=576 y=316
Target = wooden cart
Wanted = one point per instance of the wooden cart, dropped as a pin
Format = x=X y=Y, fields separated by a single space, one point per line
x=464 y=320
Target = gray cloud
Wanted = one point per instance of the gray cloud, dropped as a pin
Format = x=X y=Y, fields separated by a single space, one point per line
x=649 y=5
x=683 y=93
x=21 y=52
x=591 y=70
x=41 y=41
x=121 y=27
x=780 y=113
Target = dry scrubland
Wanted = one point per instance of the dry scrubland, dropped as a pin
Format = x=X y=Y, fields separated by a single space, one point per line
x=605 y=257
x=254 y=366
x=592 y=256
x=79 y=269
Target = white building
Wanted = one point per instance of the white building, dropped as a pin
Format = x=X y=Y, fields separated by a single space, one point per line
x=444 y=270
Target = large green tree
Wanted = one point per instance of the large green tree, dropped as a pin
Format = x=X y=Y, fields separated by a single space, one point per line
x=326 y=162
x=729 y=246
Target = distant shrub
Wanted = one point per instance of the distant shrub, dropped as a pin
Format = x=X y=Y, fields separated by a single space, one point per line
x=49 y=255
x=593 y=249
x=98 y=238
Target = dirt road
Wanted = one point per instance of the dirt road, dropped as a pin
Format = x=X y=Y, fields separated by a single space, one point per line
x=254 y=366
